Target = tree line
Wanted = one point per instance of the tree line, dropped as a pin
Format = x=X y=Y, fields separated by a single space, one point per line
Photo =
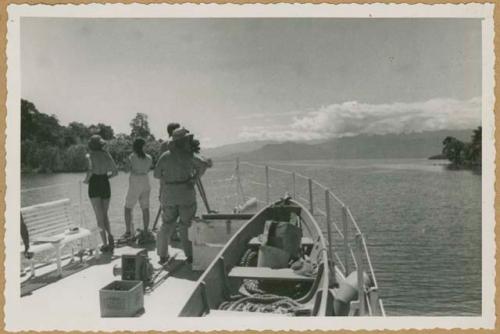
x=464 y=154
x=47 y=146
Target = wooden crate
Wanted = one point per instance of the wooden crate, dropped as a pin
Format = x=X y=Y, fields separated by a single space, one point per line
x=122 y=299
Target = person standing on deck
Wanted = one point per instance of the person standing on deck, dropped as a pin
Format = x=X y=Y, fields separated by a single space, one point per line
x=139 y=164
x=177 y=170
x=26 y=239
x=171 y=127
x=100 y=164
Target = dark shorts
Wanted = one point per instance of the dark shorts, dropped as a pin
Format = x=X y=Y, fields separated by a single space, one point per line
x=99 y=186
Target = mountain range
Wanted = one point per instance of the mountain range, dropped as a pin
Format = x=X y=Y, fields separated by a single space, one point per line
x=389 y=146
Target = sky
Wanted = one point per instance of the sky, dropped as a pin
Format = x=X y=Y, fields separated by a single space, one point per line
x=242 y=79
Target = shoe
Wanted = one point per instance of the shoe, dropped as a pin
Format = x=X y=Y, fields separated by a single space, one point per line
x=105 y=248
x=164 y=260
x=28 y=255
x=150 y=237
x=111 y=242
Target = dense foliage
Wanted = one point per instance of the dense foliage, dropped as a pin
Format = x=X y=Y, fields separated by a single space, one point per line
x=47 y=146
x=464 y=154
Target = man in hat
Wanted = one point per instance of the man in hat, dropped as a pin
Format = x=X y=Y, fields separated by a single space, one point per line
x=171 y=127
x=177 y=170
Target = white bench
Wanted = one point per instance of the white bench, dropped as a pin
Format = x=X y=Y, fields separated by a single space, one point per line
x=49 y=227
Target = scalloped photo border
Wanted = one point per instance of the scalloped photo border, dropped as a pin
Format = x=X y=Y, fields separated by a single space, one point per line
x=12 y=11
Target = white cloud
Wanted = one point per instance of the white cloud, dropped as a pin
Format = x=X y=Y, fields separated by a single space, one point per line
x=268 y=116
x=353 y=118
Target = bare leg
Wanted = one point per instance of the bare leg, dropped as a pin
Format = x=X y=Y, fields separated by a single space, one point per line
x=128 y=220
x=105 y=205
x=145 y=219
x=98 y=210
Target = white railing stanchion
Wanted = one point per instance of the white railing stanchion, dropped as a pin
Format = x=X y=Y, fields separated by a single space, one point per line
x=330 y=244
x=267 y=184
x=346 y=240
x=311 y=204
x=293 y=184
x=360 y=272
x=328 y=223
x=239 y=187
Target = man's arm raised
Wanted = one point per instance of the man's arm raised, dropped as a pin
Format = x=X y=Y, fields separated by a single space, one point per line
x=158 y=168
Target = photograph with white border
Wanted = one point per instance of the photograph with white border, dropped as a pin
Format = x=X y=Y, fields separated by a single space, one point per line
x=295 y=167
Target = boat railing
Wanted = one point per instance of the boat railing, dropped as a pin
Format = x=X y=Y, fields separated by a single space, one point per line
x=346 y=242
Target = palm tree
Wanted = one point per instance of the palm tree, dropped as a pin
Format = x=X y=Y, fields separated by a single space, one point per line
x=476 y=146
x=454 y=150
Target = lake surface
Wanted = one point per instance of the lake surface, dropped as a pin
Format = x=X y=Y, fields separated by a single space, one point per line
x=422 y=223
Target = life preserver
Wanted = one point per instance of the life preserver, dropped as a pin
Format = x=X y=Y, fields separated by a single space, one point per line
x=348 y=289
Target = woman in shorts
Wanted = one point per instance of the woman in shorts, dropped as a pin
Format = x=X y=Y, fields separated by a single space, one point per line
x=139 y=188
x=101 y=169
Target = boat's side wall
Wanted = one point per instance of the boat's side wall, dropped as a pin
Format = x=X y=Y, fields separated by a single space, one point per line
x=215 y=283
x=211 y=287
x=308 y=218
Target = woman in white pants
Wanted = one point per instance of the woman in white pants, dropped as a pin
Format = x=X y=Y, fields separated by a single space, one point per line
x=139 y=188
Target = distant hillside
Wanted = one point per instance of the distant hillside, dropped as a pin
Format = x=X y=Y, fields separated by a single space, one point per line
x=412 y=145
x=232 y=149
x=283 y=151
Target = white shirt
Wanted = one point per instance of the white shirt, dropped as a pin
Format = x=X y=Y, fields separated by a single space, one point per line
x=140 y=166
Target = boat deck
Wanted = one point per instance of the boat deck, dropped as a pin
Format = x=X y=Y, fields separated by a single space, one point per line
x=73 y=301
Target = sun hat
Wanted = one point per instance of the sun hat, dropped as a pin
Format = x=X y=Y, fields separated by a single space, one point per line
x=96 y=143
x=171 y=127
x=180 y=133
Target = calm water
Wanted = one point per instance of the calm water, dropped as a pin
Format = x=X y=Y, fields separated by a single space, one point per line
x=422 y=223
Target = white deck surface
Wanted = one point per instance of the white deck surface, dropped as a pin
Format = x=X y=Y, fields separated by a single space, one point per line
x=73 y=301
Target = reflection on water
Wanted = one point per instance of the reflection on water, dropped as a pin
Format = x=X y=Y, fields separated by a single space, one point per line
x=422 y=223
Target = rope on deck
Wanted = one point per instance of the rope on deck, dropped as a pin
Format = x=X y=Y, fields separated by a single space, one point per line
x=265 y=303
x=255 y=299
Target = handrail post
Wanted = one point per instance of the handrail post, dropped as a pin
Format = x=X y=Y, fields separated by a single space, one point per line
x=311 y=205
x=330 y=244
x=239 y=187
x=293 y=185
x=328 y=222
x=267 y=184
x=360 y=272
x=346 y=239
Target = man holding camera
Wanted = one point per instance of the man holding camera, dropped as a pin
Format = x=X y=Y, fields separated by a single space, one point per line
x=178 y=169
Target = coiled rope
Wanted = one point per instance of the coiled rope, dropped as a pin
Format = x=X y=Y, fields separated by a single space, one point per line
x=265 y=303
x=255 y=299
